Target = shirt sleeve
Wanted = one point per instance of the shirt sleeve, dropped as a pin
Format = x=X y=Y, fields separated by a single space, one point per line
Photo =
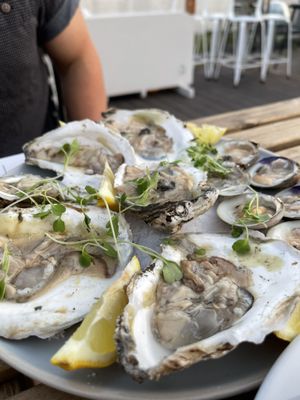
x=54 y=17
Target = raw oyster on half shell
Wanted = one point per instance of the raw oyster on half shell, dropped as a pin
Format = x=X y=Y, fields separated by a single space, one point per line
x=154 y=134
x=164 y=197
x=95 y=144
x=46 y=288
x=224 y=299
x=288 y=231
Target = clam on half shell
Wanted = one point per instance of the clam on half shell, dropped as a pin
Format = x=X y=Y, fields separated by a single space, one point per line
x=154 y=134
x=274 y=172
x=291 y=200
x=179 y=195
x=224 y=299
x=46 y=288
x=270 y=208
x=242 y=152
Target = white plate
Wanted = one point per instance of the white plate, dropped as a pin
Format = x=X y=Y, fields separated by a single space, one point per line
x=282 y=381
x=239 y=371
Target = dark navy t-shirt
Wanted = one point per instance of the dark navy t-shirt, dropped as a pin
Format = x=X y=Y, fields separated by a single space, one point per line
x=25 y=25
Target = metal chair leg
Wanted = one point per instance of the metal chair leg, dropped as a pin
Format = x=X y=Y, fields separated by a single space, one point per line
x=267 y=50
x=240 y=52
x=221 y=51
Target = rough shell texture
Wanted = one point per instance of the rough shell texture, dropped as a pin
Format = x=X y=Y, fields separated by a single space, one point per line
x=274 y=269
x=181 y=194
x=47 y=290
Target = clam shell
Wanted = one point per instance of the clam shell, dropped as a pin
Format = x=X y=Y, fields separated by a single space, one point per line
x=273 y=172
x=242 y=152
x=291 y=200
x=229 y=210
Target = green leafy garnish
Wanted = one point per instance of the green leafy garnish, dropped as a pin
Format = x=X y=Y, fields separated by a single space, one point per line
x=69 y=150
x=241 y=246
x=252 y=213
x=59 y=225
x=201 y=251
x=4 y=266
x=203 y=156
x=112 y=227
x=85 y=259
x=236 y=231
x=171 y=272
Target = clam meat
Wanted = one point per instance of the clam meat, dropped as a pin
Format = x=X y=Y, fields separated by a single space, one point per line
x=274 y=172
x=242 y=152
x=254 y=210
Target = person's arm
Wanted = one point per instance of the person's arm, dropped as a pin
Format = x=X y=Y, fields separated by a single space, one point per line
x=79 y=69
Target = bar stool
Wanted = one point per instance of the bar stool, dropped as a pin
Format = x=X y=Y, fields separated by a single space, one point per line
x=209 y=22
x=278 y=16
x=243 y=26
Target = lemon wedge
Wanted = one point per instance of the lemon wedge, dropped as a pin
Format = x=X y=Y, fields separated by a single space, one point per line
x=92 y=345
x=106 y=191
x=292 y=327
x=206 y=134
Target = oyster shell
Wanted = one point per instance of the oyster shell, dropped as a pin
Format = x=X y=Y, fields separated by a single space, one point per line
x=46 y=288
x=242 y=152
x=165 y=197
x=257 y=211
x=224 y=299
x=154 y=134
x=288 y=231
x=291 y=200
x=96 y=145
x=273 y=172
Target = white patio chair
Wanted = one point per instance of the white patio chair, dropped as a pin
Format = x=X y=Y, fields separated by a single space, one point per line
x=243 y=26
x=278 y=17
x=209 y=17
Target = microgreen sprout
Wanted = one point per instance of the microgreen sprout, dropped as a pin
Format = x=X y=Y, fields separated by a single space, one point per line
x=252 y=211
x=4 y=266
x=200 y=251
x=240 y=246
x=205 y=156
x=69 y=150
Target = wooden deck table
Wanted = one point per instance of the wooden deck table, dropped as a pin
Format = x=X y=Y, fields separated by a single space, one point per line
x=276 y=127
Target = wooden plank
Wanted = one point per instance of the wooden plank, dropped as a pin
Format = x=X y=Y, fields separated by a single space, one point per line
x=43 y=392
x=9 y=389
x=293 y=153
x=275 y=137
x=255 y=116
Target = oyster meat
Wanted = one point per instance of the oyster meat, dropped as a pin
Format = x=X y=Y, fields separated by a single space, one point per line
x=222 y=300
x=46 y=288
x=154 y=134
x=165 y=197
